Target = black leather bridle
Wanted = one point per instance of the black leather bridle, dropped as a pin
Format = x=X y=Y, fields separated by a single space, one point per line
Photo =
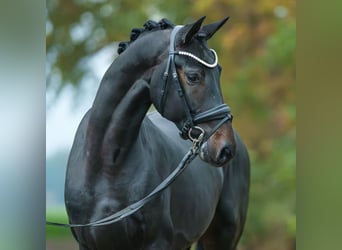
x=220 y=112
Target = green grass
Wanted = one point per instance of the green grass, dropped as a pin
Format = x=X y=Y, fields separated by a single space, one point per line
x=57 y=215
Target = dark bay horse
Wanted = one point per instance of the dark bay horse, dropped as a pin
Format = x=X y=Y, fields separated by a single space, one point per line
x=120 y=154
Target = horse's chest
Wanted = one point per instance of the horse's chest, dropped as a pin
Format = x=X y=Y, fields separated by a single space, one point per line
x=126 y=234
x=149 y=224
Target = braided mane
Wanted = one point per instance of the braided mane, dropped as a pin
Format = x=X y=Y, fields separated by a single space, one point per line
x=148 y=26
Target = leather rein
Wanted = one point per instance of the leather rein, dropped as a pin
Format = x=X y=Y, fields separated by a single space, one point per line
x=220 y=112
x=187 y=159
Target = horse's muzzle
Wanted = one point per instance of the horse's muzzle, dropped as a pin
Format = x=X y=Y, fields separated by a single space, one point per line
x=220 y=147
x=221 y=157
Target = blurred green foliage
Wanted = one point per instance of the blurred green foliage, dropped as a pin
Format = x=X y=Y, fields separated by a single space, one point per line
x=256 y=49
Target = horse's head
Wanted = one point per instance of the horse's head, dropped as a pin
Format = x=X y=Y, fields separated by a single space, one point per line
x=185 y=89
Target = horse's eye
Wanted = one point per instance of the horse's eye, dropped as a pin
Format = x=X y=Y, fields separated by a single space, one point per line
x=193 y=78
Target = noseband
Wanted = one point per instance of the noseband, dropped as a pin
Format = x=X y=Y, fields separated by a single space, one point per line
x=219 y=113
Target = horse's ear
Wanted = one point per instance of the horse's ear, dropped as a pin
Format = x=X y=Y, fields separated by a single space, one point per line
x=189 y=30
x=209 y=30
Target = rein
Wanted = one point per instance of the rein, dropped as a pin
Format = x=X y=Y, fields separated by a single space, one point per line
x=184 y=163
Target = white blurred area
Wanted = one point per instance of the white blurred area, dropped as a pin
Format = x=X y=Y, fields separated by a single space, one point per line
x=65 y=113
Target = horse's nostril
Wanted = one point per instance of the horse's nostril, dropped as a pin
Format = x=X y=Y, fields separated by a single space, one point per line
x=225 y=155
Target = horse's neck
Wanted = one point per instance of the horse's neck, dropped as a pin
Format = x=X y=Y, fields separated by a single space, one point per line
x=130 y=66
x=124 y=125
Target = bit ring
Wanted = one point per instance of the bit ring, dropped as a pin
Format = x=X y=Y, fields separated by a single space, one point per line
x=200 y=137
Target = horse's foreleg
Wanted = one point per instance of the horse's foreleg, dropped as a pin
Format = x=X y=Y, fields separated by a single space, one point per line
x=227 y=226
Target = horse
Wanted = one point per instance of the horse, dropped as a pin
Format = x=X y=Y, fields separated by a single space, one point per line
x=121 y=151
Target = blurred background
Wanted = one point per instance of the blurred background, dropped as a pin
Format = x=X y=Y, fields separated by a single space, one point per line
x=256 y=49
